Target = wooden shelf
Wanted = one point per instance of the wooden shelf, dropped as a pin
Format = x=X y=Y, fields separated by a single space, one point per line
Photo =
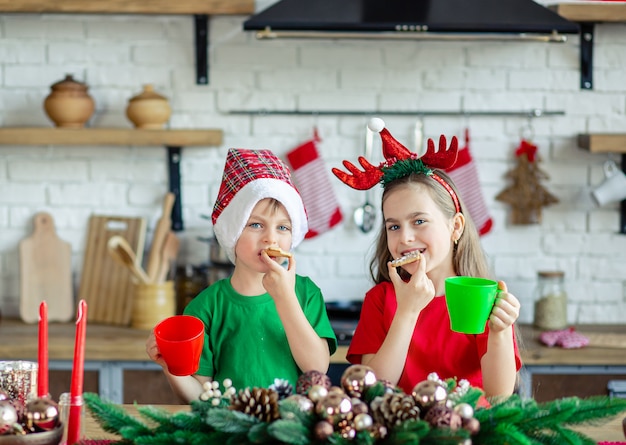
x=209 y=7
x=592 y=11
x=109 y=136
x=603 y=142
x=174 y=140
x=588 y=14
x=200 y=9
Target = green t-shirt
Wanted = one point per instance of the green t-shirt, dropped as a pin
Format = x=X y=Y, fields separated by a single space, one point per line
x=244 y=338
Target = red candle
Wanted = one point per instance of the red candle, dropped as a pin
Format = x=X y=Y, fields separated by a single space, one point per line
x=42 y=373
x=76 y=389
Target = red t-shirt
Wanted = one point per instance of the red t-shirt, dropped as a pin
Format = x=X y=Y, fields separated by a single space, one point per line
x=434 y=347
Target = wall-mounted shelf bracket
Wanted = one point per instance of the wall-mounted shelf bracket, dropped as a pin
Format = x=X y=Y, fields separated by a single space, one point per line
x=586 y=55
x=201 y=23
x=622 y=225
x=173 y=163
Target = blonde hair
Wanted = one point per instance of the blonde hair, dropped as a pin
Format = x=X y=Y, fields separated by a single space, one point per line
x=468 y=257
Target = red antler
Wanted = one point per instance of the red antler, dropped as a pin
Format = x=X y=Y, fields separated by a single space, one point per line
x=392 y=149
x=442 y=158
x=357 y=179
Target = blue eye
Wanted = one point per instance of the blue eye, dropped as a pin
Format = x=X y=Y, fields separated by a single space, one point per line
x=284 y=228
x=393 y=227
x=254 y=225
x=419 y=221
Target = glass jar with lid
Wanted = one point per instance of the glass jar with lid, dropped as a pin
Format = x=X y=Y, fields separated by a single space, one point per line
x=550 y=301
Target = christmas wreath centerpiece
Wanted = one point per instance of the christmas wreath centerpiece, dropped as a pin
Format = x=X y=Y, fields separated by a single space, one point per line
x=363 y=410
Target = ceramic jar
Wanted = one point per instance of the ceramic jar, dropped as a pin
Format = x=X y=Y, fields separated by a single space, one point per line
x=69 y=105
x=148 y=110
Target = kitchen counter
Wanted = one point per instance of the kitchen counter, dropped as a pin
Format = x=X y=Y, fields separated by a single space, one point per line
x=111 y=350
x=114 y=356
x=18 y=341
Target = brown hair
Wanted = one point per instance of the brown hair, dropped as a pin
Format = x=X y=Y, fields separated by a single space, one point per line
x=468 y=257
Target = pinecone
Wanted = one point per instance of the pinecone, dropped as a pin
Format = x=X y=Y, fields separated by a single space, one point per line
x=261 y=403
x=282 y=387
x=394 y=408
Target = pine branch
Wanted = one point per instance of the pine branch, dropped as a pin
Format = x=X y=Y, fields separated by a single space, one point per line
x=472 y=397
x=510 y=410
x=502 y=433
x=574 y=437
x=190 y=421
x=258 y=433
x=156 y=415
x=229 y=421
x=364 y=438
x=290 y=410
x=593 y=410
x=111 y=417
x=290 y=432
x=180 y=437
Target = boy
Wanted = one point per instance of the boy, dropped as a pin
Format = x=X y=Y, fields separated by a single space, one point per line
x=264 y=322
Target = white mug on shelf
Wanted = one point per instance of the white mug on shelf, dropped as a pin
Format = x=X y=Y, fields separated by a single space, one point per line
x=613 y=188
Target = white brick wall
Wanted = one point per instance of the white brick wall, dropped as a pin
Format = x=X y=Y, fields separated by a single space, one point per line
x=117 y=54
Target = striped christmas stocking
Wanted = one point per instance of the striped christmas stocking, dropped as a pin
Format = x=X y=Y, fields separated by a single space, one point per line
x=465 y=176
x=312 y=180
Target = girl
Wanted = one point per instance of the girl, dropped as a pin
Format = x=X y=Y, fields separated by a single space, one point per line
x=404 y=329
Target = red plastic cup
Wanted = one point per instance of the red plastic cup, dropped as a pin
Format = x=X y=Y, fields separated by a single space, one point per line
x=180 y=339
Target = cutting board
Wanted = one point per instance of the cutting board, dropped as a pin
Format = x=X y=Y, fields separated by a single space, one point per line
x=45 y=272
x=105 y=285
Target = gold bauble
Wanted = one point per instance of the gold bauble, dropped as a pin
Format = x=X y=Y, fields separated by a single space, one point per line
x=334 y=407
x=429 y=393
x=356 y=379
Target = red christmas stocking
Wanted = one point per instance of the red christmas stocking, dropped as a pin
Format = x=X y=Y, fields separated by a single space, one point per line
x=312 y=180
x=465 y=176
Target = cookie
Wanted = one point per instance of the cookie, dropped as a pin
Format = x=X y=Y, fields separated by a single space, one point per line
x=406 y=259
x=276 y=252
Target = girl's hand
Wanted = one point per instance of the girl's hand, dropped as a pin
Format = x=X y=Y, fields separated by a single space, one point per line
x=506 y=310
x=278 y=281
x=414 y=295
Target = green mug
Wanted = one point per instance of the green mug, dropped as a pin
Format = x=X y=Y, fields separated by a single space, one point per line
x=470 y=301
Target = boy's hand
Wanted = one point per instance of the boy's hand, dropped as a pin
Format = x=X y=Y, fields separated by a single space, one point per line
x=153 y=351
x=278 y=281
x=414 y=295
x=506 y=310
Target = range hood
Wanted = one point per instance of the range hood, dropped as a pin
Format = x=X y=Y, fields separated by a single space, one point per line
x=411 y=19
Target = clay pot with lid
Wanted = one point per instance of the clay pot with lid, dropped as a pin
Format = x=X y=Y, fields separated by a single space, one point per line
x=148 y=110
x=69 y=105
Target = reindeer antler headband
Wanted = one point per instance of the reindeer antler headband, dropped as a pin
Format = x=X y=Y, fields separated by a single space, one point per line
x=400 y=162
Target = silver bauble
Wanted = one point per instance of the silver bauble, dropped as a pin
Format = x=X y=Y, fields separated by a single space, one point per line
x=8 y=416
x=363 y=421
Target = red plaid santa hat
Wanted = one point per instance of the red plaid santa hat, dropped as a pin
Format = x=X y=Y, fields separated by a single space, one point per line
x=250 y=176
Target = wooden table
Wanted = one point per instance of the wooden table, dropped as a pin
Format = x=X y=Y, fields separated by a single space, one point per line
x=113 y=355
x=610 y=431
x=112 y=350
x=18 y=341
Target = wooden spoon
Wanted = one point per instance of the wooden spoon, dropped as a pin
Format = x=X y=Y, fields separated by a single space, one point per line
x=161 y=230
x=169 y=253
x=121 y=252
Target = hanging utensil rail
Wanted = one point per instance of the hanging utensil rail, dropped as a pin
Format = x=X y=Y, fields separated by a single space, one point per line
x=535 y=112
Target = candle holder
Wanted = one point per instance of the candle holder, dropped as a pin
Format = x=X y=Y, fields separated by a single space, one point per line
x=52 y=437
x=19 y=379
